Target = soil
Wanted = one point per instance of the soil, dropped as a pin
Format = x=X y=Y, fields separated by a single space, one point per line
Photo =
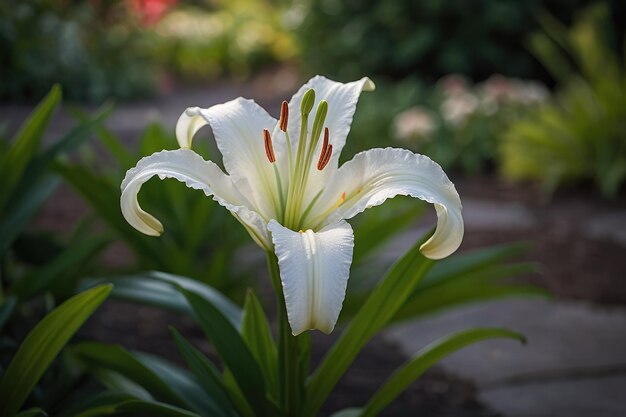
x=573 y=264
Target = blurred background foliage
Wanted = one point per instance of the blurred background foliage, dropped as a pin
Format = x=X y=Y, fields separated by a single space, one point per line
x=93 y=49
x=464 y=82
x=429 y=38
x=581 y=133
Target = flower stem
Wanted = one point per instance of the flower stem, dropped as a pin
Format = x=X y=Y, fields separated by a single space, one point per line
x=288 y=352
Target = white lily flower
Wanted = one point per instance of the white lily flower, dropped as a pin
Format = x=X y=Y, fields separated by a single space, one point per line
x=284 y=185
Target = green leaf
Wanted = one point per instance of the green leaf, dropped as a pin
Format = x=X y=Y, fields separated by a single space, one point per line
x=40 y=165
x=348 y=412
x=258 y=336
x=471 y=261
x=42 y=344
x=98 y=357
x=104 y=199
x=207 y=375
x=383 y=303
x=32 y=412
x=151 y=408
x=53 y=275
x=26 y=144
x=161 y=290
x=181 y=381
x=113 y=144
x=371 y=232
x=481 y=285
x=112 y=402
x=217 y=300
x=426 y=358
x=23 y=210
x=6 y=309
x=232 y=349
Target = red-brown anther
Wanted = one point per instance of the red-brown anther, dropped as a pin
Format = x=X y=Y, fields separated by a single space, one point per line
x=323 y=162
x=269 y=148
x=284 y=116
x=325 y=147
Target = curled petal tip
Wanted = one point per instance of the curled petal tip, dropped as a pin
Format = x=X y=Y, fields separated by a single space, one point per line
x=368 y=84
x=188 y=124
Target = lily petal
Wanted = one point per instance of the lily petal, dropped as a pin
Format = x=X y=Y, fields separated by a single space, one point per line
x=375 y=175
x=314 y=270
x=238 y=129
x=188 y=125
x=188 y=167
x=342 y=99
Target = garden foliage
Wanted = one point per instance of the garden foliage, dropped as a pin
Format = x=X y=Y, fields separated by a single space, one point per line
x=427 y=39
x=201 y=241
x=93 y=49
x=580 y=134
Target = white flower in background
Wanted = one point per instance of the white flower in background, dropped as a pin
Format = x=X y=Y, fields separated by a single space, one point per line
x=499 y=90
x=414 y=124
x=455 y=109
x=284 y=185
x=532 y=92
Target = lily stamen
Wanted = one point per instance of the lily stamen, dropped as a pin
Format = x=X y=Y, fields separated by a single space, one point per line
x=323 y=162
x=284 y=116
x=269 y=148
x=324 y=151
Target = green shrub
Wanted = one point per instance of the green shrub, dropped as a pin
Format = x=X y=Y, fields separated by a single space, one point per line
x=429 y=38
x=235 y=38
x=93 y=51
x=38 y=270
x=201 y=240
x=581 y=134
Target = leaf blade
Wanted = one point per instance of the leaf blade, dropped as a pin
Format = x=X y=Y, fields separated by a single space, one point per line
x=427 y=357
x=42 y=344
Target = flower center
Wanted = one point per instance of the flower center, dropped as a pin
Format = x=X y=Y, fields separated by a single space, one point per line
x=289 y=201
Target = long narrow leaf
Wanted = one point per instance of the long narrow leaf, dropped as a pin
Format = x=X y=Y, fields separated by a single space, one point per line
x=42 y=345
x=232 y=349
x=32 y=412
x=181 y=381
x=26 y=144
x=53 y=273
x=23 y=210
x=482 y=285
x=115 y=403
x=98 y=356
x=426 y=358
x=207 y=375
x=161 y=290
x=257 y=335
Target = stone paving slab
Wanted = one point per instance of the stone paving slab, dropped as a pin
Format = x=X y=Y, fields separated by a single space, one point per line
x=573 y=365
x=601 y=397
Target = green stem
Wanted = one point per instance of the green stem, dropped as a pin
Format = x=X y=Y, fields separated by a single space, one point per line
x=288 y=352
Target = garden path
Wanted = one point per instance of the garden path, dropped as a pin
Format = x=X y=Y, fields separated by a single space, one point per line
x=574 y=364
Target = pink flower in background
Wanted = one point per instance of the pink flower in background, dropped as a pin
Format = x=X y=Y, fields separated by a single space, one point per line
x=151 y=11
x=453 y=84
x=415 y=123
